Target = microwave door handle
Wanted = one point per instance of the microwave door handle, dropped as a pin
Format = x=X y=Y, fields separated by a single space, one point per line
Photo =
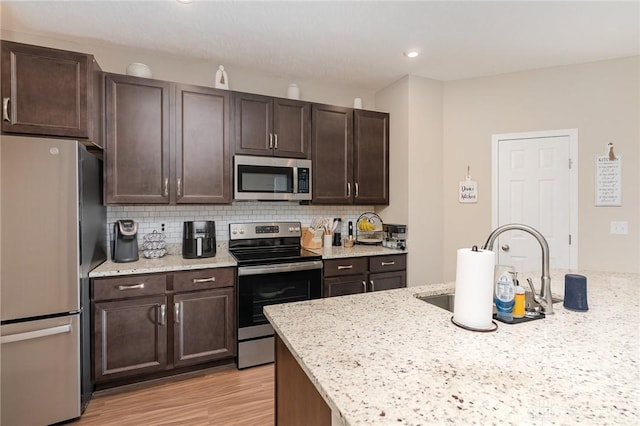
x=295 y=180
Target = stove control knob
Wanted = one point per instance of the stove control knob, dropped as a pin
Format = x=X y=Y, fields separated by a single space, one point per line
x=241 y=231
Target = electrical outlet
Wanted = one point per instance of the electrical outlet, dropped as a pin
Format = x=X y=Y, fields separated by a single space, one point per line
x=620 y=228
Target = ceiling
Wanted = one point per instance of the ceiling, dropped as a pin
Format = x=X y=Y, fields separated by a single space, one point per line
x=352 y=43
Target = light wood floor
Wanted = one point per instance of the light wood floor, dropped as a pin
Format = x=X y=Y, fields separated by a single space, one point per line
x=221 y=397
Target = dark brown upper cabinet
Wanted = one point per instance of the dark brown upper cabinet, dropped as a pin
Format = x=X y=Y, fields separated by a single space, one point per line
x=271 y=126
x=201 y=151
x=147 y=162
x=350 y=152
x=50 y=92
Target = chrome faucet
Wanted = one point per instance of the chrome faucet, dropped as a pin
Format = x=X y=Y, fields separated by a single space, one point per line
x=544 y=299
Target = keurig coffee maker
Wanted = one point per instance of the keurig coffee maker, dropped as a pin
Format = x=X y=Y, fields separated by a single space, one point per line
x=199 y=239
x=124 y=242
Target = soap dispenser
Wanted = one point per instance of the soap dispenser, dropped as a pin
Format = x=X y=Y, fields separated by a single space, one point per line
x=504 y=297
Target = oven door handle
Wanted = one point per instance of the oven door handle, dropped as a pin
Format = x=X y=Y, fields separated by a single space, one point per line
x=278 y=268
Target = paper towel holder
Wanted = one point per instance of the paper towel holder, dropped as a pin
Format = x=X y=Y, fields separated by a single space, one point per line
x=494 y=326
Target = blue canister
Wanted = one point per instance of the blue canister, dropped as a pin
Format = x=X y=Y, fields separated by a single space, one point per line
x=575 y=292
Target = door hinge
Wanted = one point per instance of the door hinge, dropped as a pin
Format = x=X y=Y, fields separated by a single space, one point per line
x=570 y=163
x=569 y=239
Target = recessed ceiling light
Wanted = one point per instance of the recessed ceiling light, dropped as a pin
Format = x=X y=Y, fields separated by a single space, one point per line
x=412 y=53
x=184 y=1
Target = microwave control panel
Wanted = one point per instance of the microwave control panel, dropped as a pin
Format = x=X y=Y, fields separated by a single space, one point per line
x=303 y=180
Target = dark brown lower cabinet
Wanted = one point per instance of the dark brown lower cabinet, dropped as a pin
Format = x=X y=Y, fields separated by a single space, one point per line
x=130 y=337
x=363 y=274
x=203 y=329
x=297 y=400
x=149 y=325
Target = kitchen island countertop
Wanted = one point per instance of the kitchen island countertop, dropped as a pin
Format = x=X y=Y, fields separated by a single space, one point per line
x=389 y=358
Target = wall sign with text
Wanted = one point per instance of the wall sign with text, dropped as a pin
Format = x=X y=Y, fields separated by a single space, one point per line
x=468 y=191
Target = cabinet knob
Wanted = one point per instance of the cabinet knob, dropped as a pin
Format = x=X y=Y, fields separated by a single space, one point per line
x=364 y=286
x=131 y=287
x=163 y=314
x=348 y=189
x=5 y=109
x=357 y=189
x=373 y=286
x=344 y=267
x=176 y=311
x=388 y=263
x=275 y=137
x=505 y=247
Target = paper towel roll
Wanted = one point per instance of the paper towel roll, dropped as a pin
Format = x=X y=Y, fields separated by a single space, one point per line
x=473 y=305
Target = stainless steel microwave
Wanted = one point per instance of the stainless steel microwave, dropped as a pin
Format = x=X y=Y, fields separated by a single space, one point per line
x=271 y=178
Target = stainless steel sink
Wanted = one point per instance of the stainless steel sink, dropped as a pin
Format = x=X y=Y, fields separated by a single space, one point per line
x=445 y=301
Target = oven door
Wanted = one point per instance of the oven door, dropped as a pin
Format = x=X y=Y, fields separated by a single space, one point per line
x=259 y=286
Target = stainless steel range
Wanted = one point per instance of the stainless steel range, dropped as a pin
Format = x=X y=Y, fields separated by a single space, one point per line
x=272 y=268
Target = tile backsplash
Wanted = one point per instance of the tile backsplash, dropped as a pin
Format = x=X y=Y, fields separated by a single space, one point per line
x=150 y=218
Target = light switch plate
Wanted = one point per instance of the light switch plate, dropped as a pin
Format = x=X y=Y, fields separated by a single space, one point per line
x=620 y=228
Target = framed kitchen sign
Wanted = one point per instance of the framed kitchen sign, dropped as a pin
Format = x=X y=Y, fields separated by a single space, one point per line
x=608 y=179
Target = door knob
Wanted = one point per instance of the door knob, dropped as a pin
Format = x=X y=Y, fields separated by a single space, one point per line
x=505 y=247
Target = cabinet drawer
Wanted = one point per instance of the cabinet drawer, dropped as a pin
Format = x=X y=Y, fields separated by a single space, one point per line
x=394 y=262
x=203 y=279
x=128 y=286
x=347 y=266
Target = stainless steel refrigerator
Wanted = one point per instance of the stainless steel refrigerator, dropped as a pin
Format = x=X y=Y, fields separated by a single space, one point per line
x=52 y=232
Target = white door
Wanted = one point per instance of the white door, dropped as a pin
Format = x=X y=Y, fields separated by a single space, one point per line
x=535 y=178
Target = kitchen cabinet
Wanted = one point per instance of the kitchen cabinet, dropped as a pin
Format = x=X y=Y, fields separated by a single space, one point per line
x=129 y=326
x=204 y=316
x=50 y=92
x=147 y=162
x=363 y=274
x=350 y=152
x=271 y=126
x=155 y=324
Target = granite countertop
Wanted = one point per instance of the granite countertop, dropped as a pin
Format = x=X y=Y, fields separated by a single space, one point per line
x=175 y=262
x=389 y=358
x=170 y=262
x=357 y=250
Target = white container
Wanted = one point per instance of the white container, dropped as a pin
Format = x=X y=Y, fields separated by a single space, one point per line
x=357 y=103
x=327 y=240
x=293 y=91
x=139 y=70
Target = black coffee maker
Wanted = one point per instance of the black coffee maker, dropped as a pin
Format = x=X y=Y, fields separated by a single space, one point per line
x=124 y=242
x=199 y=239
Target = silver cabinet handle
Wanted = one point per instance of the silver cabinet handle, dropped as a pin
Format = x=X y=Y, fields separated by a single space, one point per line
x=348 y=189
x=179 y=187
x=388 y=263
x=36 y=334
x=176 y=309
x=204 y=280
x=163 y=314
x=364 y=286
x=131 y=287
x=270 y=140
x=5 y=109
x=373 y=286
x=505 y=247
x=166 y=187
x=344 y=267
x=275 y=137
x=357 y=189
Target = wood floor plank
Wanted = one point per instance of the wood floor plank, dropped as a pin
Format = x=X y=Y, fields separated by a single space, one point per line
x=227 y=397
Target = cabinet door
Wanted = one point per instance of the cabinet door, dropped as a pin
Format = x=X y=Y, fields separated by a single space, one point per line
x=332 y=154
x=130 y=337
x=202 y=157
x=371 y=157
x=340 y=286
x=387 y=280
x=204 y=326
x=253 y=117
x=137 y=140
x=45 y=91
x=291 y=130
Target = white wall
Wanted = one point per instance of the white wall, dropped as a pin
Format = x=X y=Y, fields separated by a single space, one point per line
x=600 y=99
x=416 y=172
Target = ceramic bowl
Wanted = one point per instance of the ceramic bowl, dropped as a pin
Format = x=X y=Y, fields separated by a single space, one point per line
x=139 y=70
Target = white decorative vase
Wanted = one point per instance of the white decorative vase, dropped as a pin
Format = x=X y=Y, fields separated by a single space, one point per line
x=293 y=91
x=139 y=70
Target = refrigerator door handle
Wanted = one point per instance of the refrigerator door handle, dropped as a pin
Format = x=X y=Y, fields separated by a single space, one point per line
x=18 y=337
